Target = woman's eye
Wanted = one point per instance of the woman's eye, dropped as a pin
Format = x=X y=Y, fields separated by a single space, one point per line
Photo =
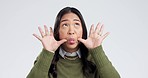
x=77 y=24
x=65 y=25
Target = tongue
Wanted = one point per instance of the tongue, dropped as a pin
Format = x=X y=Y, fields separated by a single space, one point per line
x=71 y=41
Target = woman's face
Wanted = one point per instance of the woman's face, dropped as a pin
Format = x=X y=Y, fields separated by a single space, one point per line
x=70 y=29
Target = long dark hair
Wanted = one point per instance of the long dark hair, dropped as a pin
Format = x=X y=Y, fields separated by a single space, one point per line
x=88 y=66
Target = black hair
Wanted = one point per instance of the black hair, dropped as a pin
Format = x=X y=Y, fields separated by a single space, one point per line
x=88 y=66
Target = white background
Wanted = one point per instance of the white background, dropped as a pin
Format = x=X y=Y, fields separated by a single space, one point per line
x=126 y=20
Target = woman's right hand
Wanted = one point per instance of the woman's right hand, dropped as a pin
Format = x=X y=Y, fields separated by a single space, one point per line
x=48 y=41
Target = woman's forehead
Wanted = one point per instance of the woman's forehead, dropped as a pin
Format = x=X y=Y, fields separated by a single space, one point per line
x=70 y=17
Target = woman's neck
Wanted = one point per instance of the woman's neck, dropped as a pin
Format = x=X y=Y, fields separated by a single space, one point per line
x=70 y=49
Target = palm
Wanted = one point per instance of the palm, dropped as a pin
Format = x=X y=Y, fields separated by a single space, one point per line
x=95 y=37
x=48 y=40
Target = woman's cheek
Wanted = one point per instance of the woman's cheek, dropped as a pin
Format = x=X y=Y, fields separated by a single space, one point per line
x=79 y=34
x=62 y=36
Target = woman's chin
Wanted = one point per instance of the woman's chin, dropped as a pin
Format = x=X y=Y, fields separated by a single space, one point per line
x=71 y=47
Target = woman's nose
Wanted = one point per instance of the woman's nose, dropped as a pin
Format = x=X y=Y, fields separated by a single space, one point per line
x=71 y=30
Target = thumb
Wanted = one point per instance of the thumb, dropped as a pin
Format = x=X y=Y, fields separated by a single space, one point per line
x=62 y=41
x=82 y=40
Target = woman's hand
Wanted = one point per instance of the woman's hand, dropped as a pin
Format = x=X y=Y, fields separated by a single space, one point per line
x=48 y=41
x=95 y=37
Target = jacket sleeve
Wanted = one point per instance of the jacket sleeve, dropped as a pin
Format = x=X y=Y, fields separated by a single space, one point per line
x=104 y=67
x=41 y=65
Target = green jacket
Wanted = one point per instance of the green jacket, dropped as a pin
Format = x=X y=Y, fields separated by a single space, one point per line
x=73 y=69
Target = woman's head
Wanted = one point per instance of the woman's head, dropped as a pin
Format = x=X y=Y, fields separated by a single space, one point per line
x=70 y=25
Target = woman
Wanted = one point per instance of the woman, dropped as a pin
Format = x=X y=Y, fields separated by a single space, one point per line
x=68 y=53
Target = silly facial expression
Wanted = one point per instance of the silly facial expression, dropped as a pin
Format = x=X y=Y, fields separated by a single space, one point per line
x=71 y=30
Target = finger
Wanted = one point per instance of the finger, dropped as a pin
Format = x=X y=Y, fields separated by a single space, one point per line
x=62 y=41
x=38 y=37
x=97 y=28
x=46 y=30
x=105 y=35
x=101 y=30
x=81 y=40
x=91 y=29
x=51 y=31
x=41 y=31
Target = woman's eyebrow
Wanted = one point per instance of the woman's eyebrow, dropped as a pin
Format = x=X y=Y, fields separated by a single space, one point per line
x=76 y=20
x=64 y=20
x=68 y=20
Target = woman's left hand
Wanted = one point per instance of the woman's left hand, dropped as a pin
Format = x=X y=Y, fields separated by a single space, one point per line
x=95 y=38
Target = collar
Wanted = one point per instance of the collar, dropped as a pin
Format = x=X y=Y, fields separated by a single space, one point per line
x=63 y=53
